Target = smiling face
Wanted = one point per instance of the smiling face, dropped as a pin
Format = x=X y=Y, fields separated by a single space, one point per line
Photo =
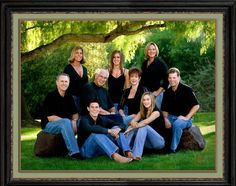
x=78 y=55
x=151 y=51
x=101 y=78
x=174 y=80
x=147 y=101
x=134 y=79
x=62 y=83
x=93 y=109
x=116 y=59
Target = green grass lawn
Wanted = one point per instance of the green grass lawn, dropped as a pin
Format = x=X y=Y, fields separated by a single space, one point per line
x=182 y=160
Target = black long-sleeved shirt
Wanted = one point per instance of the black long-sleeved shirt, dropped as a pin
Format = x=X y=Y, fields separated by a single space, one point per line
x=92 y=91
x=76 y=82
x=155 y=75
x=134 y=103
x=100 y=126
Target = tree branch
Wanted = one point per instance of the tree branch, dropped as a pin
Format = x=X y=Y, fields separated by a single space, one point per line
x=127 y=29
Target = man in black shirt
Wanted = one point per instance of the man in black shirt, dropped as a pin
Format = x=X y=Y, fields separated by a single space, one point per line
x=60 y=115
x=98 y=136
x=179 y=105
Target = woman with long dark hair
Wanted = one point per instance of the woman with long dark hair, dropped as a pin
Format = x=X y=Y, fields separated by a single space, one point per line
x=118 y=78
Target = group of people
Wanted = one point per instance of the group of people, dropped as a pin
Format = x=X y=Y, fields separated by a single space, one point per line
x=138 y=110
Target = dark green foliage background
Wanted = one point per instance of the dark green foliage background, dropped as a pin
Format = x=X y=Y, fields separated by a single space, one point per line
x=179 y=44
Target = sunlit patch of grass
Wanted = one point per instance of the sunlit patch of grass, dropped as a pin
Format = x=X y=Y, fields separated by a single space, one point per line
x=205 y=123
x=207 y=129
x=29 y=134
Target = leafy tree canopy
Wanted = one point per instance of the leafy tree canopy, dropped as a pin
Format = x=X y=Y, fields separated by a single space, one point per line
x=46 y=47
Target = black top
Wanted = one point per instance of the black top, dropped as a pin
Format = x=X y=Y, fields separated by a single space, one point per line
x=179 y=102
x=55 y=104
x=90 y=92
x=100 y=126
x=155 y=75
x=76 y=82
x=133 y=104
x=158 y=124
x=115 y=87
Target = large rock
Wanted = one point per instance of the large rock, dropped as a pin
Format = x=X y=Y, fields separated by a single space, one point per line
x=192 y=139
x=49 y=145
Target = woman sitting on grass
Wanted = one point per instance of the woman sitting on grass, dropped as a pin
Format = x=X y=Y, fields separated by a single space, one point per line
x=143 y=128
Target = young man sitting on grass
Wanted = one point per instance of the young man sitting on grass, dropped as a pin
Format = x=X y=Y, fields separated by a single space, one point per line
x=98 y=135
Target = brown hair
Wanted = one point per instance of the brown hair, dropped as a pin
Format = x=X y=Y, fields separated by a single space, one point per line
x=144 y=110
x=121 y=61
x=72 y=55
x=146 y=49
x=135 y=70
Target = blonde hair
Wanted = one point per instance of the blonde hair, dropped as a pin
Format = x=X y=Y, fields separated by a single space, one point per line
x=121 y=61
x=173 y=70
x=146 y=49
x=143 y=110
x=72 y=55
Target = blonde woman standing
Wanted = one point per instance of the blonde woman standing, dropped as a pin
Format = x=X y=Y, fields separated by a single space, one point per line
x=154 y=72
x=77 y=73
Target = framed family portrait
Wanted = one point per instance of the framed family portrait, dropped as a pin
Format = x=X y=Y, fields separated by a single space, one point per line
x=198 y=37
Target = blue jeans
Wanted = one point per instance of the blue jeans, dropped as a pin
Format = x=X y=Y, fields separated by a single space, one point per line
x=159 y=100
x=77 y=103
x=125 y=109
x=116 y=108
x=114 y=117
x=177 y=129
x=101 y=144
x=127 y=119
x=64 y=127
x=145 y=137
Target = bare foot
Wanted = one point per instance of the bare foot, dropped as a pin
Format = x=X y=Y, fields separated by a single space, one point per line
x=137 y=158
x=128 y=154
x=121 y=159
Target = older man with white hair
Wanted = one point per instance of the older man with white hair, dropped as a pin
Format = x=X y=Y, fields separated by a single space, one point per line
x=96 y=90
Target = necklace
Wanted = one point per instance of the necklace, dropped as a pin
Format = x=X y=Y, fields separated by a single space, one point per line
x=116 y=72
x=132 y=93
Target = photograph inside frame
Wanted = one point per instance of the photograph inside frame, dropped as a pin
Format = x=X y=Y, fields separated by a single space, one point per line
x=114 y=93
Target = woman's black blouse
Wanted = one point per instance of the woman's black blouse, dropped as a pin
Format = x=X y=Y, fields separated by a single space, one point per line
x=155 y=75
x=76 y=82
x=134 y=103
x=115 y=87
